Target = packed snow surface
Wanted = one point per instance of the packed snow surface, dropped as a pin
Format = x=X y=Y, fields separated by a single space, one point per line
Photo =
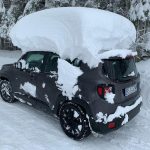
x=73 y=32
x=24 y=128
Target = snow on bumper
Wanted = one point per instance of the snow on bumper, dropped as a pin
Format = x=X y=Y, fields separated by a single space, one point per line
x=120 y=112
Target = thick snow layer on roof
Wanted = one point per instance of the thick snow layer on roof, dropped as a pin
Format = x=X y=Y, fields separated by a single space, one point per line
x=73 y=32
x=117 y=53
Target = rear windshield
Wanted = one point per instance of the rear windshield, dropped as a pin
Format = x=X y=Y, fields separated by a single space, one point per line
x=120 y=69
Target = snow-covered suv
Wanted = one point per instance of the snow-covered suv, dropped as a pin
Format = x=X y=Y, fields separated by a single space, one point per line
x=100 y=100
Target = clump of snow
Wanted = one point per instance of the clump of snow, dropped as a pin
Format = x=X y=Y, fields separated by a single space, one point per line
x=126 y=119
x=109 y=97
x=68 y=78
x=101 y=117
x=24 y=65
x=132 y=74
x=29 y=88
x=120 y=112
x=43 y=85
x=19 y=99
x=53 y=74
x=76 y=114
x=73 y=32
x=117 y=53
x=47 y=99
x=29 y=103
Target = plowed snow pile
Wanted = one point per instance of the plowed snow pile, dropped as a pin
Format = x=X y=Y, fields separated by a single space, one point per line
x=73 y=32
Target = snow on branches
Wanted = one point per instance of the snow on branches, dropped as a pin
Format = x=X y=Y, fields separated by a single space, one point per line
x=140 y=10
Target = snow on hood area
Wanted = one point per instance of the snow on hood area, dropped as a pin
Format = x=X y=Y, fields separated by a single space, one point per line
x=81 y=33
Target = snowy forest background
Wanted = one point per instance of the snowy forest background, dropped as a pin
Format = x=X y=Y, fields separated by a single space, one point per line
x=138 y=11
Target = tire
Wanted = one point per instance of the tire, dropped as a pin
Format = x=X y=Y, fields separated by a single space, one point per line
x=6 y=91
x=73 y=121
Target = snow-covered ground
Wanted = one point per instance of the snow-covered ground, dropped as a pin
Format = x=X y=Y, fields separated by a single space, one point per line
x=24 y=128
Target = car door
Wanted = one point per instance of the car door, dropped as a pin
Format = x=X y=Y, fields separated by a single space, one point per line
x=30 y=66
x=47 y=90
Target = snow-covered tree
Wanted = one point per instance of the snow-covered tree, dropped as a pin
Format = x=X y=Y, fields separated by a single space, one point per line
x=140 y=10
x=33 y=6
x=57 y=3
x=10 y=17
x=140 y=14
x=91 y=3
x=2 y=8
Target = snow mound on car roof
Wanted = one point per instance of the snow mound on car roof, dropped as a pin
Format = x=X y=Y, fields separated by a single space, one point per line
x=73 y=32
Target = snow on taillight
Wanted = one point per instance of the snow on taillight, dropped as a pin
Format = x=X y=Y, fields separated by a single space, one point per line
x=102 y=90
x=107 y=90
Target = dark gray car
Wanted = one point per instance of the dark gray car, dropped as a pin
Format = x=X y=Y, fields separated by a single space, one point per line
x=115 y=77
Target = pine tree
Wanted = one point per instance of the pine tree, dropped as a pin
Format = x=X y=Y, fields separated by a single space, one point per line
x=140 y=10
x=2 y=8
x=10 y=17
x=33 y=6
x=140 y=15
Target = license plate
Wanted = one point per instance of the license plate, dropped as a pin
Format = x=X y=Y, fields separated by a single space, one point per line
x=130 y=90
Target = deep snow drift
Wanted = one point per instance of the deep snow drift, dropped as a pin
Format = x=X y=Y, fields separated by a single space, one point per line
x=73 y=32
x=24 y=128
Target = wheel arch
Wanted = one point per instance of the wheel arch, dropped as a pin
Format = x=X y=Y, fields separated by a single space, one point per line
x=61 y=100
x=4 y=78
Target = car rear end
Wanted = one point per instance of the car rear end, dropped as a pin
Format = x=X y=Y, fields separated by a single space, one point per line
x=118 y=97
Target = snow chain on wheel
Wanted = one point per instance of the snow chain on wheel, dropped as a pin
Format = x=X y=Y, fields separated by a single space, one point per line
x=73 y=121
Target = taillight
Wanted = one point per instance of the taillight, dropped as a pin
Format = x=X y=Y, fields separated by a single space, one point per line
x=111 y=125
x=102 y=90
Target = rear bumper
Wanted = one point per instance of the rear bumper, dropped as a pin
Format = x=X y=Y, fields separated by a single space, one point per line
x=102 y=125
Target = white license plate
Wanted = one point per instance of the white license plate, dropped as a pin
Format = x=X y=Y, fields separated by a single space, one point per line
x=130 y=90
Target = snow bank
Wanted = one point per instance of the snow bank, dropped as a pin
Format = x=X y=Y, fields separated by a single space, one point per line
x=67 y=78
x=73 y=32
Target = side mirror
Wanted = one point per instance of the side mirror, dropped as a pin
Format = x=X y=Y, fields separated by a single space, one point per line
x=18 y=65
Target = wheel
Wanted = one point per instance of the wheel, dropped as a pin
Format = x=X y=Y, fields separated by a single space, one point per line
x=73 y=121
x=6 y=91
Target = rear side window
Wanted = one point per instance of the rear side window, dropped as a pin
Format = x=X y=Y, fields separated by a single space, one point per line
x=121 y=69
x=52 y=63
x=76 y=62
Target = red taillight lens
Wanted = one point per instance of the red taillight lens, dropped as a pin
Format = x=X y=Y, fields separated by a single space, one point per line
x=111 y=125
x=102 y=90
